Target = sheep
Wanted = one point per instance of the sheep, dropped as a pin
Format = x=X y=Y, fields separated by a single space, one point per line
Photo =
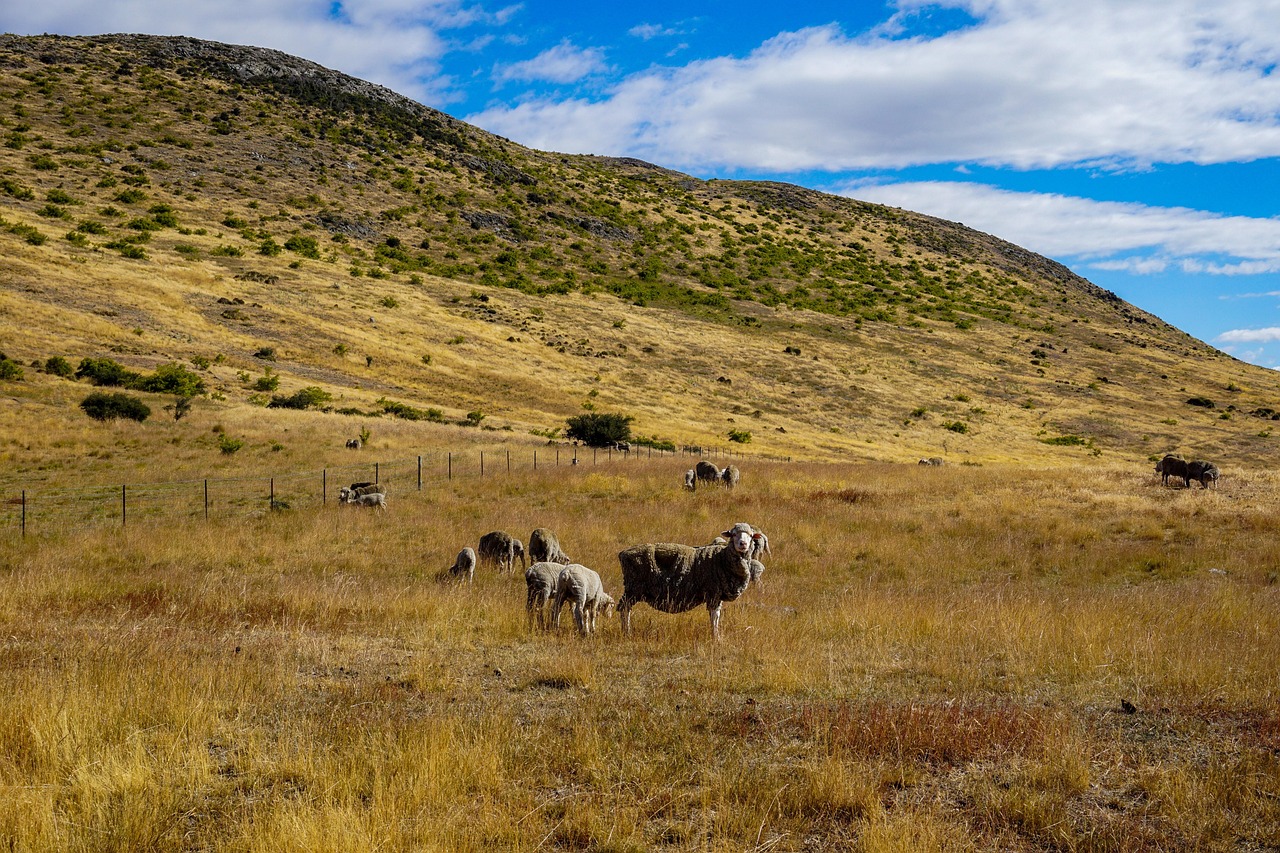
x=730 y=476
x=357 y=489
x=464 y=565
x=540 y=579
x=500 y=549
x=706 y=472
x=932 y=460
x=691 y=480
x=353 y=444
x=1202 y=472
x=582 y=586
x=545 y=547
x=1172 y=466
x=372 y=499
x=676 y=578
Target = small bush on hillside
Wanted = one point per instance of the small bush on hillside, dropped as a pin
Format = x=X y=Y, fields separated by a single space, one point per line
x=10 y=369
x=740 y=436
x=59 y=366
x=599 y=429
x=410 y=413
x=229 y=445
x=1203 y=402
x=172 y=378
x=307 y=398
x=106 y=372
x=102 y=406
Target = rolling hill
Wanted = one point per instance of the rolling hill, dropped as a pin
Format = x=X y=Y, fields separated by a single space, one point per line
x=276 y=226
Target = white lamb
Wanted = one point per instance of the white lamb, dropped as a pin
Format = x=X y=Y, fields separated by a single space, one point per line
x=541 y=579
x=582 y=586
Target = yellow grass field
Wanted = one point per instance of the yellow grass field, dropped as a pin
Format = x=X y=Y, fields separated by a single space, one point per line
x=939 y=659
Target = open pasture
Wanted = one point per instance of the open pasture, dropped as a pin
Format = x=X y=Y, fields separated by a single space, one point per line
x=939 y=659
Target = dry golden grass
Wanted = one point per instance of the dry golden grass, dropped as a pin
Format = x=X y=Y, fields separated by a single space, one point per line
x=938 y=660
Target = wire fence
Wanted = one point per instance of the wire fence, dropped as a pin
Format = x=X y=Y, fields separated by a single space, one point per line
x=35 y=512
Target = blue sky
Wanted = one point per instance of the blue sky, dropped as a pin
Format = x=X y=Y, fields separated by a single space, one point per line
x=1136 y=141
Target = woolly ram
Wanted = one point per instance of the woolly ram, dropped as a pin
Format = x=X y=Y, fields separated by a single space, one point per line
x=677 y=578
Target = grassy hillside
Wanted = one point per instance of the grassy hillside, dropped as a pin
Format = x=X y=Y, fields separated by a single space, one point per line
x=250 y=215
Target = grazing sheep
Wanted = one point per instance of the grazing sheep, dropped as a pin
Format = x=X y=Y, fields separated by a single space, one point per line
x=1202 y=472
x=357 y=489
x=706 y=472
x=581 y=586
x=373 y=499
x=690 y=480
x=544 y=547
x=676 y=578
x=1172 y=466
x=464 y=565
x=500 y=549
x=353 y=444
x=932 y=460
x=540 y=579
x=730 y=476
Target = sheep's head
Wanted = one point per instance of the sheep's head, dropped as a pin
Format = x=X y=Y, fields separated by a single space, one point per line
x=604 y=604
x=740 y=537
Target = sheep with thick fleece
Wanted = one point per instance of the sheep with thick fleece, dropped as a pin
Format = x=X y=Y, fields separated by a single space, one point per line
x=706 y=472
x=500 y=549
x=544 y=547
x=676 y=578
x=691 y=480
x=373 y=500
x=582 y=586
x=541 y=580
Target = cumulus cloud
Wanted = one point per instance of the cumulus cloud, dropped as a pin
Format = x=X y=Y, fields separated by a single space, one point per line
x=1032 y=84
x=1132 y=237
x=563 y=63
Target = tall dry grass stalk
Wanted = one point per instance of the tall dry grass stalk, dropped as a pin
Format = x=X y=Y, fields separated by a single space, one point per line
x=938 y=659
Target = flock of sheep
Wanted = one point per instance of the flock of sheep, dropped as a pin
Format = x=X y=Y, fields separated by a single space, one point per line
x=707 y=472
x=668 y=577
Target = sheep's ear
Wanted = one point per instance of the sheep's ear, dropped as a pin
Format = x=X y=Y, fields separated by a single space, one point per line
x=727 y=533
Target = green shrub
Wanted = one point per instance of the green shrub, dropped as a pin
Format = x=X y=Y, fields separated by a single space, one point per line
x=599 y=429
x=102 y=406
x=305 y=246
x=171 y=378
x=740 y=436
x=105 y=371
x=307 y=398
x=10 y=369
x=59 y=366
x=410 y=413
x=229 y=445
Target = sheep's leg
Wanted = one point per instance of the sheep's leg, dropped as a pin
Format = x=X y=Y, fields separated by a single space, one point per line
x=714 y=611
x=580 y=616
x=624 y=615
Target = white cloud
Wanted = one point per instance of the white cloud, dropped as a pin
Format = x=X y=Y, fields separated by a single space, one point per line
x=1108 y=235
x=1250 y=336
x=564 y=63
x=1035 y=83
